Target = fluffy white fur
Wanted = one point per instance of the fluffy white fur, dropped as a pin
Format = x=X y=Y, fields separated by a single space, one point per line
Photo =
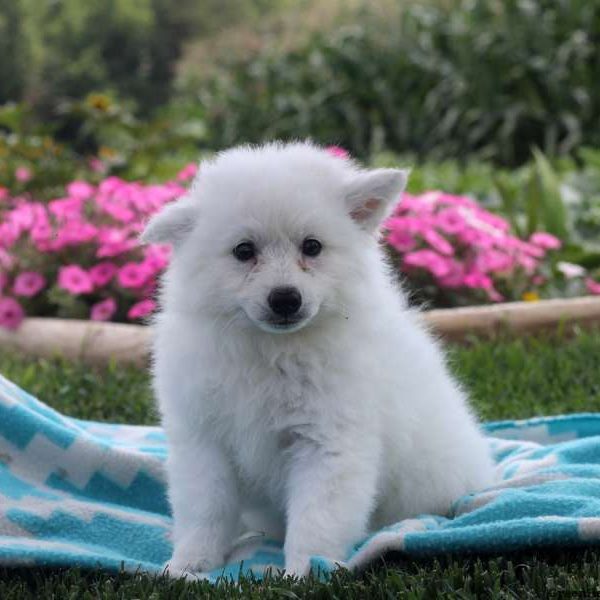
x=320 y=431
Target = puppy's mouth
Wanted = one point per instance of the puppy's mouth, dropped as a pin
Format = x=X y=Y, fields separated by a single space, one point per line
x=272 y=323
x=284 y=323
x=275 y=324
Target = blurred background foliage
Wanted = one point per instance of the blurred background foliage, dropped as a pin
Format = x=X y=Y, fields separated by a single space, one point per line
x=436 y=79
x=69 y=48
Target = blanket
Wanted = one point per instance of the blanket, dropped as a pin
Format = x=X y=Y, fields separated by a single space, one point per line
x=93 y=495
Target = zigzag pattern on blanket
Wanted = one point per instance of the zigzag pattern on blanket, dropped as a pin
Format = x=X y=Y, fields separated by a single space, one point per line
x=91 y=494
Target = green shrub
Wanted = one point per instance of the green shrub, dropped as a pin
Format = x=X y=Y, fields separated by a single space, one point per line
x=67 y=49
x=70 y=48
x=449 y=79
x=12 y=44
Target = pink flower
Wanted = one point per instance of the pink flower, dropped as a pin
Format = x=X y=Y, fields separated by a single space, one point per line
x=141 y=309
x=188 y=172
x=429 y=260
x=410 y=224
x=593 y=287
x=117 y=208
x=337 y=151
x=66 y=208
x=475 y=279
x=3 y=193
x=104 y=310
x=437 y=242
x=41 y=234
x=495 y=221
x=3 y=281
x=111 y=184
x=401 y=240
x=492 y=260
x=156 y=257
x=494 y=295
x=80 y=190
x=475 y=238
x=102 y=273
x=527 y=262
x=113 y=241
x=23 y=174
x=450 y=221
x=9 y=233
x=75 y=280
x=455 y=277
x=132 y=275
x=531 y=249
x=6 y=260
x=28 y=284
x=96 y=165
x=11 y=313
x=545 y=240
x=75 y=233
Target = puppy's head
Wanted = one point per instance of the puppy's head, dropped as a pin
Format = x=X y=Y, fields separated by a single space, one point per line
x=273 y=236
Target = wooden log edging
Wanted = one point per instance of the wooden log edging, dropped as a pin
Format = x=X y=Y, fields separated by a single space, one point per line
x=98 y=343
x=92 y=342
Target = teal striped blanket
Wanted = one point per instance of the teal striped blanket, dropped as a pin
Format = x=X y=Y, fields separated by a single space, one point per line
x=88 y=494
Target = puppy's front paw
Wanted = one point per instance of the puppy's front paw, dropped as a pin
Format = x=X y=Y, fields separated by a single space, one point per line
x=194 y=558
x=297 y=564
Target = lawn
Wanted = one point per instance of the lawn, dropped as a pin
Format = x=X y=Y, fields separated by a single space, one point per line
x=506 y=378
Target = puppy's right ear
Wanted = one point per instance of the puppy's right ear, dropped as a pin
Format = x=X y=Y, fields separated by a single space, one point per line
x=172 y=223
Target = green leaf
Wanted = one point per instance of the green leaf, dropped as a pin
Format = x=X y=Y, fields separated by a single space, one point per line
x=553 y=211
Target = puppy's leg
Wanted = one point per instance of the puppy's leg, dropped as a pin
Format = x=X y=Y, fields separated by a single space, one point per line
x=205 y=502
x=331 y=496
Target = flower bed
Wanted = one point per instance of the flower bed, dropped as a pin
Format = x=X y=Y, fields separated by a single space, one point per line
x=77 y=256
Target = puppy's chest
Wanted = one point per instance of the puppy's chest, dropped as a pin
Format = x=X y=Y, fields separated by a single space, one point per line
x=266 y=414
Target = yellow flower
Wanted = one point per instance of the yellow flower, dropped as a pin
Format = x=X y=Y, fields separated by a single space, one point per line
x=107 y=153
x=100 y=102
x=530 y=297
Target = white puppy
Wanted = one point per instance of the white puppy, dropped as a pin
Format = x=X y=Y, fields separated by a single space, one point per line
x=294 y=383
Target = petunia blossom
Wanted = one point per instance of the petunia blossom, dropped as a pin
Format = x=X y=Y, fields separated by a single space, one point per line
x=81 y=190
x=103 y=310
x=141 y=309
x=75 y=280
x=429 y=260
x=28 y=284
x=337 y=151
x=402 y=241
x=188 y=172
x=545 y=240
x=593 y=287
x=23 y=174
x=132 y=275
x=11 y=313
x=102 y=273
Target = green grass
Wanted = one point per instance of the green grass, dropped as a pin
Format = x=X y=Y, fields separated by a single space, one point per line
x=506 y=379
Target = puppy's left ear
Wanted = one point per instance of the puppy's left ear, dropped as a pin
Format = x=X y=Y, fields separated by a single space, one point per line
x=371 y=195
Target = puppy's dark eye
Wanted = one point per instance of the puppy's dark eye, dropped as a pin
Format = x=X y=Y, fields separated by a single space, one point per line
x=311 y=247
x=244 y=251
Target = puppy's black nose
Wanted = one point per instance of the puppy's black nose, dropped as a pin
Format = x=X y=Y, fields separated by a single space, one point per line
x=285 y=301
